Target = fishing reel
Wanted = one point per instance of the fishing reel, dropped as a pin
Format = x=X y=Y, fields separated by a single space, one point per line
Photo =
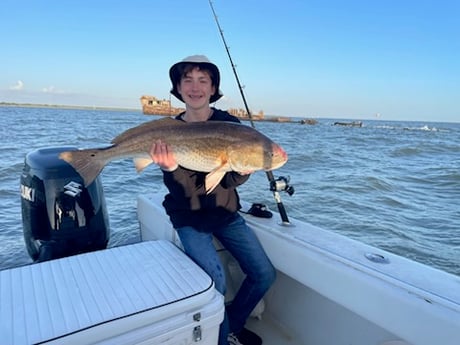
x=281 y=184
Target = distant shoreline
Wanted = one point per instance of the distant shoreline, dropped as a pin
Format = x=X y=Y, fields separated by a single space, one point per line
x=293 y=119
x=278 y=119
x=60 y=106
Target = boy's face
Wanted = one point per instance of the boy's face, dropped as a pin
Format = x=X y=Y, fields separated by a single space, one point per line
x=196 y=88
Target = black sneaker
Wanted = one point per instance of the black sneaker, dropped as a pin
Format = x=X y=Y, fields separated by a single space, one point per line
x=247 y=337
x=233 y=340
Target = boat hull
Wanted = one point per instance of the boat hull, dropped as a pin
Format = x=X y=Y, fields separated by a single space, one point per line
x=330 y=288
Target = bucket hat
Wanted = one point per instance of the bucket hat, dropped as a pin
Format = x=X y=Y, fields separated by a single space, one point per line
x=176 y=70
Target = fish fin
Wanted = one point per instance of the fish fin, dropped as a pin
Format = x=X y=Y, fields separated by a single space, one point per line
x=145 y=128
x=85 y=162
x=214 y=178
x=142 y=163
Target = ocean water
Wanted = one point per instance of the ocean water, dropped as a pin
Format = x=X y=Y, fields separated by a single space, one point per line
x=393 y=185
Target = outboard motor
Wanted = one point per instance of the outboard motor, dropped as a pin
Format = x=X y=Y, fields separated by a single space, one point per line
x=60 y=216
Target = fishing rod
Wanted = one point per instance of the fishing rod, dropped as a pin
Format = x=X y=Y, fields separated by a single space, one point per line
x=276 y=185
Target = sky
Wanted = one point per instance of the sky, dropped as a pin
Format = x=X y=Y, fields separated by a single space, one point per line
x=387 y=60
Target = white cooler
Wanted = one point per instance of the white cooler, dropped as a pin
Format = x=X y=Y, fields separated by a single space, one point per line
x=145 y=293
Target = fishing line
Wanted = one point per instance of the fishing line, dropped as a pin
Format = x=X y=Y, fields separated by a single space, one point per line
x=276 y=185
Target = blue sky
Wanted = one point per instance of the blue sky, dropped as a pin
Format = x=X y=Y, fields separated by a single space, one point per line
x=335 y=59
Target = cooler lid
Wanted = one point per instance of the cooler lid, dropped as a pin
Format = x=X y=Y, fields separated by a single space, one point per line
x=54 y=299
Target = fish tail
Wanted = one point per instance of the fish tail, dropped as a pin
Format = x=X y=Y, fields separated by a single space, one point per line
x=87 y=163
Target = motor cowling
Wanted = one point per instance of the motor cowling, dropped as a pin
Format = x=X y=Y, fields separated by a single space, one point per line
x=60 y=216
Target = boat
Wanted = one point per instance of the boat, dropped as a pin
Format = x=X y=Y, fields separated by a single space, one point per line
x=349 y=124
x=154 y=106
x=332 y=290
x=329 y=290
x=308 y=122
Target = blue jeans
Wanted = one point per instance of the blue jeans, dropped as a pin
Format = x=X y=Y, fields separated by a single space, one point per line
x=245 y=247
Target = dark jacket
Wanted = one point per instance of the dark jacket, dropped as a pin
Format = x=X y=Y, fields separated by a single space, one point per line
x=187 y=203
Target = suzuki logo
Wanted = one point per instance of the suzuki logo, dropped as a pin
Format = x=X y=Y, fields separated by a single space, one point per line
x=27 y=193
x=73 y=189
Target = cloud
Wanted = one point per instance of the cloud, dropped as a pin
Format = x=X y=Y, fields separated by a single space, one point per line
x=19 y=86
x=52 y=89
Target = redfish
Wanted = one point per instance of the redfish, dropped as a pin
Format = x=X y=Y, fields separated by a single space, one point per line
x=215 y=147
